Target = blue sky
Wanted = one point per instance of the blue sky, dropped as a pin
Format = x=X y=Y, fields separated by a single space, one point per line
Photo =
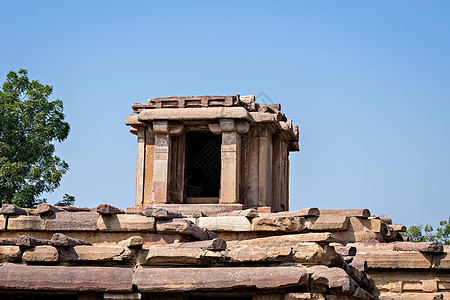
x=367 y=81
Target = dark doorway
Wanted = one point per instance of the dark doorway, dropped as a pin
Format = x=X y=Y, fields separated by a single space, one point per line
x=202 y=165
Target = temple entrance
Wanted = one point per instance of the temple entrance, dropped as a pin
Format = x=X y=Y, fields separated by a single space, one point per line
x=203 y=151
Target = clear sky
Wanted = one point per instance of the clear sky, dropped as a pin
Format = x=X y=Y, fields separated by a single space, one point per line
x=367 y=81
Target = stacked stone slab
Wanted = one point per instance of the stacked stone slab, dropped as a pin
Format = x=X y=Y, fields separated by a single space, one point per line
x=152 y=253
x=149 y=252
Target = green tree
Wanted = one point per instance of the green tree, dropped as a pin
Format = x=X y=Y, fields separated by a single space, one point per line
x=67 y=200
x=29 y=124
x=425 y=233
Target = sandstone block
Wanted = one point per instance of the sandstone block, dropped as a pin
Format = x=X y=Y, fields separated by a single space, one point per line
x=165 y=255
x=24 y=223
x=213 y=245
x=312 y=211
x=199 y=210
x=365 y=247
x=72 y=221
x=264 y=209
x=8 y=242
x=360 y=265
x=41 y=254
x=333 y=278
x=288 y=240
x=327 y=222
x=191 y=114
x=412 y=296
x=399 y=228
x=126 y=222
x=27 y=241
x=344 y=250
x=134 y=241
x=2 y=223
x=46 y=208
x=257 y=254
x=386 y=220
x=106 y=209
x=347 y=212
x=421 y=247
x=225 y=223
x=75 y=209
x=249 y=213
x=358 y=236
x=365 y=224
x=197 y=279
x=61 y=240
x=394 y=260
x=182 y=226
x=95 y=253
x=10 y=209
x=314 y=254
x=285 y=224
x=160 y=213
x=61 y=278
x=10 y=253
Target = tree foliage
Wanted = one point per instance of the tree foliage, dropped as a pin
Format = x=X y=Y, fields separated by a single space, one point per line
x=425 y=233
x=67 y=200
x=29 y=124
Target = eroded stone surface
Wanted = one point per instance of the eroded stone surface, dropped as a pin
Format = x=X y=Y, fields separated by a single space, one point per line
x=226 y=223
x=106 y=209
x=47 y=208
x=182 y=226
x=395 y=259
x=10 y=253
x=285 y=224
x=95 y=253
x=134 y=241
x=126 y=222
x=327 y=222
x=61 y=240
x=61 y=278
x=364 y=212
x=193 y=279
x=41 y=254
x=23 y=222
x=10 y=209
x=72 y=221
x=421 y=247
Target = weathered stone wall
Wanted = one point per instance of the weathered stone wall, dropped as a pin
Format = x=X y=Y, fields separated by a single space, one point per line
x=64 y=242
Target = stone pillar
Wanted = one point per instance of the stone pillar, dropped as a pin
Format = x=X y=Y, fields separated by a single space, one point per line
x=252 y=165
x=161 y=174
x=230 y=164
x=277 y=173
x=148 y=166
x=265 y=167
x=140 y=162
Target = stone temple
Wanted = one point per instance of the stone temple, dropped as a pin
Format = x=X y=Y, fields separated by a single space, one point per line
x=211 y=220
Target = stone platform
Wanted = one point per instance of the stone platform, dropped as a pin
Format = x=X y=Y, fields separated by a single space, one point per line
x=153 y=253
